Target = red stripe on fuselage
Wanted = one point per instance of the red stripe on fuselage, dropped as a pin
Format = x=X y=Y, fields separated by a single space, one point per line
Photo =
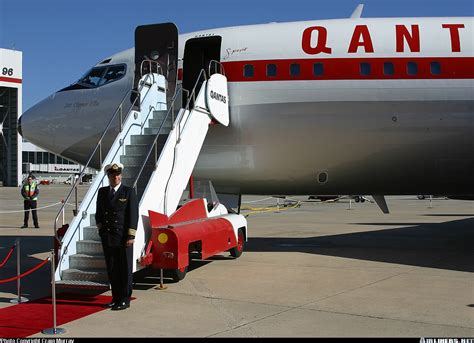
x=350 y=69
x=10 y=79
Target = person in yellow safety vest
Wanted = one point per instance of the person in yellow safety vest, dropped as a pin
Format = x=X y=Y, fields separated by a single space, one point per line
x=30 y=192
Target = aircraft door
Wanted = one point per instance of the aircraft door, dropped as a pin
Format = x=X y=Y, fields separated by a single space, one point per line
x=157 y=42
x=198 y=53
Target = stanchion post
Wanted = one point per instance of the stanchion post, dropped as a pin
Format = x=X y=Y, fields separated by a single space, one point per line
x=75 y=197
x=278 y=206
x=161 y=286
x=431 y=198
x=350 y=204
x=62 y=202
x=19 y=299
x=54 y=330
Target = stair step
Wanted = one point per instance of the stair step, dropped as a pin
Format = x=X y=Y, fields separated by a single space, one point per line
x=91 y=233
x=77 y=284
x=86 y=262
x=95 y=275
x=132 y=171
x=135 y=160
x=142 y=139
x=141 y=183
x=160 y=115
x=156 y=123
x=92 y=219
x=141 y=149
x=89 y=247
x=137 y=149
x=154 y=130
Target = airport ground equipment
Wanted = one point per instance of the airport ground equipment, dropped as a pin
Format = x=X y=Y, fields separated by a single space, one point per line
x=159 y=154
x=197 y=227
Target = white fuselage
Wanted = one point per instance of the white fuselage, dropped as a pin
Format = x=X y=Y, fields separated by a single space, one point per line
x=347 y=106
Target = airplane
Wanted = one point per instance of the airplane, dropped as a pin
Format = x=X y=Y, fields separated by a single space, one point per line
x=379 y=106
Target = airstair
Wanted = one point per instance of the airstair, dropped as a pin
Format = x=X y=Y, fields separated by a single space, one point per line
x=159 y=143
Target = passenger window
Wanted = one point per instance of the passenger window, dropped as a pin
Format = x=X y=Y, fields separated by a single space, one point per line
x=435 y=68
x=248 y=70
x=412 y=68
x=271 y=70
x=112 y=74
x=388 y=69
x=365 y=68
x=318 y=69
x=294 y=69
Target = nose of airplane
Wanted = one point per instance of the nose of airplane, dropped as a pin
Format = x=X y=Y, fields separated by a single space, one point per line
x=25 y=122
x=34 y=124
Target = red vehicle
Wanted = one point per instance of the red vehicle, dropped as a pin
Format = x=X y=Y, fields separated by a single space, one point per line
x=192 y=228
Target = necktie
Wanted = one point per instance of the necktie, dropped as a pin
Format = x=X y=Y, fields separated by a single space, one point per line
x=112 y=193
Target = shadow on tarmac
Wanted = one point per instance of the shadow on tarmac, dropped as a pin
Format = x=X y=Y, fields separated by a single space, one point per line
x=447 y=245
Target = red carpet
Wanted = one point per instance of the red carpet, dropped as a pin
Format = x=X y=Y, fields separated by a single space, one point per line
x=26 y=319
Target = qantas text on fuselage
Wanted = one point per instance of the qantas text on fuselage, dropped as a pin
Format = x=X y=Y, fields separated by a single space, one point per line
x=361 y=39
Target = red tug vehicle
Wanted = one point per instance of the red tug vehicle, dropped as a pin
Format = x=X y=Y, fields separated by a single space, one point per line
x=193 y=228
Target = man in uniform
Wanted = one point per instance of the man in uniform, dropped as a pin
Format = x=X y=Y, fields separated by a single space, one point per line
x=117 y=218
x=30 y=192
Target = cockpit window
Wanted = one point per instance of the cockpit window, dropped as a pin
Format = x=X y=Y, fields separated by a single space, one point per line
x=93 y=77
x=99 y=76
x=113 y=73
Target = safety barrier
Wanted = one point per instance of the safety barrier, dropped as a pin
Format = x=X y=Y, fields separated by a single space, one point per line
x=28 y=272
x=51 y=331
x=39 y=208
x=5 y=260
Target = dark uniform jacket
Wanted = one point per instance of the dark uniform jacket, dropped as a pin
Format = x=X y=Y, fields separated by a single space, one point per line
x=118 y=216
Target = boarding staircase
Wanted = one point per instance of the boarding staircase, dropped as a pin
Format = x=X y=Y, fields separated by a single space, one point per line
x=158 y=144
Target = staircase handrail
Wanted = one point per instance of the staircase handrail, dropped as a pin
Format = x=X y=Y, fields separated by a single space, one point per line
x=153 y=145
x=99 y=146
x=202 y=73
x=159 y=69
x=221 y=69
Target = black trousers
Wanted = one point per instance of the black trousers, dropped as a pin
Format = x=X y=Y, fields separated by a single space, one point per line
x=119 y=268
x=27 y=205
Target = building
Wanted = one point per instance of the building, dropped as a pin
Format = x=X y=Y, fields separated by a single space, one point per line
x=10 y=110
x=18 y=157
x=41 y=162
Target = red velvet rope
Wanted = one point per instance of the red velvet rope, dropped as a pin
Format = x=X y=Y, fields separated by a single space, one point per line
x=8 y=256
x=25 y=273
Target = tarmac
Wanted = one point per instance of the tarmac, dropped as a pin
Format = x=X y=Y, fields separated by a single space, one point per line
x=320 y=269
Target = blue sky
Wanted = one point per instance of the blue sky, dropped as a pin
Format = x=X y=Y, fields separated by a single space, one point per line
x=62 y=39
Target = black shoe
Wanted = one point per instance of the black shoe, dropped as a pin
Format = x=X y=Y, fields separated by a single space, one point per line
x=37 y=227
x=109 y=305
x=24 y=227
x=120 y=306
